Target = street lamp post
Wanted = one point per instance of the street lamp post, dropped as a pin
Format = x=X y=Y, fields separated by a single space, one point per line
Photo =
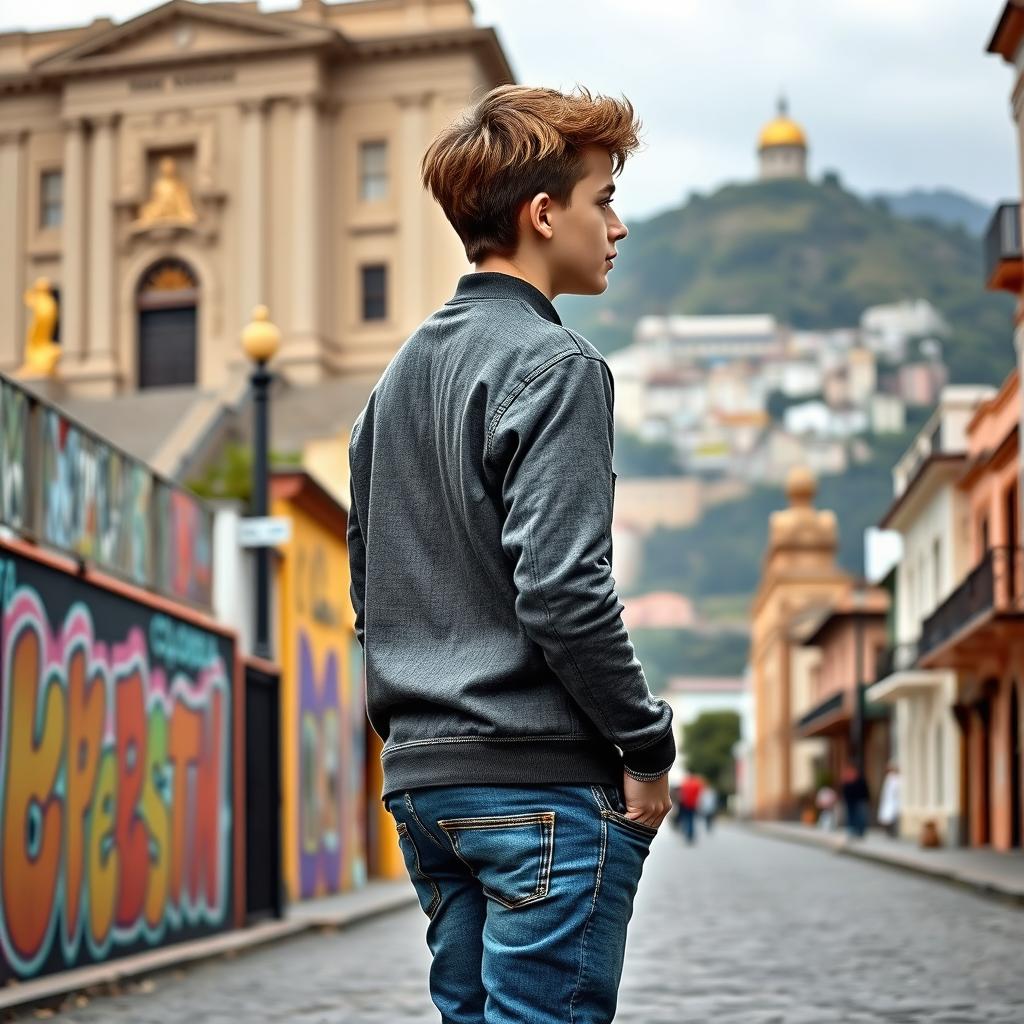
x=261 y=340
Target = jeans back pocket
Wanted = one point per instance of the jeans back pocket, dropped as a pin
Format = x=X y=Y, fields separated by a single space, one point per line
x=510 y=853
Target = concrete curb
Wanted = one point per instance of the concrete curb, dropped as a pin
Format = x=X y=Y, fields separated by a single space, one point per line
x=54 y=988
x=897 y=859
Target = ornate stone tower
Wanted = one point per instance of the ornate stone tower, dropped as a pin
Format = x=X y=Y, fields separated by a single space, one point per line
x=799 y=578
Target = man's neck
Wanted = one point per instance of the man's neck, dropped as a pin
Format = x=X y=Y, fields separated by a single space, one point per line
x=517 y=268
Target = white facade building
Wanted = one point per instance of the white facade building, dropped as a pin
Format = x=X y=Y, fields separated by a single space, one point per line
x=703 y=338
x=930 y=513
x=888 y=329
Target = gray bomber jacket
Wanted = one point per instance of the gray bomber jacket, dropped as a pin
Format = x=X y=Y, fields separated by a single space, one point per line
x=479 y=541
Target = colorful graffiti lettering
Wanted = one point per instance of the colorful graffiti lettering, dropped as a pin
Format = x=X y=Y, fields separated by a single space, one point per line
x=115 y=786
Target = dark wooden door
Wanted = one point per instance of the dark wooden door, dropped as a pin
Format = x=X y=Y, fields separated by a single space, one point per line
x=167 y=347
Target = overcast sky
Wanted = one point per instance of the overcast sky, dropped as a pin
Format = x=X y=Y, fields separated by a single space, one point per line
x=893 y=93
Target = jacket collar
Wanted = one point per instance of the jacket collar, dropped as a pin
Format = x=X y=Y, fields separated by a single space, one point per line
x=491 y=285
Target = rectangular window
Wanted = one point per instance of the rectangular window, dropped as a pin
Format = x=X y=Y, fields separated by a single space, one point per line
x=375 y=292
x=51 y=201
x=373 y=171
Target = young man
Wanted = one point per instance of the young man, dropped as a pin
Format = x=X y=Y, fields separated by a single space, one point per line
x=525 y=760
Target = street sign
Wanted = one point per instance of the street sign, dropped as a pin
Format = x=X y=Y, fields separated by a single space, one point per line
x=264 y=531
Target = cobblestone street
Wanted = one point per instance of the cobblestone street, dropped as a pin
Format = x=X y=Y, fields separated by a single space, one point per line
x=740 y=928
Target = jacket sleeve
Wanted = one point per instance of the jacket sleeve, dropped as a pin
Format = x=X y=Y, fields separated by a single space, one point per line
x=356 y=562
x=552 y=447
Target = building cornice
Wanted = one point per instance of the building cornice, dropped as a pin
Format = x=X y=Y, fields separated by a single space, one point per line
x=916 y=483
x=1009 y=31
x=483 y=40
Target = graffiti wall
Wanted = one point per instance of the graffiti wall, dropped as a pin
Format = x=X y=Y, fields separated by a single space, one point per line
x=68 y=488
x=323 y=711
x=115 y=773
x=13 y=456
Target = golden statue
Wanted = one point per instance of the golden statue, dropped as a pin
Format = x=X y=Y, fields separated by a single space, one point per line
x=169 y=200
x=41 y=351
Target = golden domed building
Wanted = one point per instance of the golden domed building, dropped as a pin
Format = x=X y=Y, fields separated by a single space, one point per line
x=782 y=147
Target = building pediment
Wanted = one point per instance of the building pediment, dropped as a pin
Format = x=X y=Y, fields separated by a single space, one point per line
x=181 y=31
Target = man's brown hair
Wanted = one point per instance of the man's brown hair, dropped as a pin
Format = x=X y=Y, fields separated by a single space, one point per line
x=518 y=141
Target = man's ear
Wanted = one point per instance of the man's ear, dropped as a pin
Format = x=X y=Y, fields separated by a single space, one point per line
x=539 y=212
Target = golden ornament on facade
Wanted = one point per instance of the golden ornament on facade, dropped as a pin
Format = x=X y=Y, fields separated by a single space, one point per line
x=169 y=201
x=41 y=351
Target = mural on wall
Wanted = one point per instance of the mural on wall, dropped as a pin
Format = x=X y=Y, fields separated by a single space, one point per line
x=186 y=549
x=328 y=828
x=95 y=500
x=68 y=488
x=115 y=773
x=13 y=455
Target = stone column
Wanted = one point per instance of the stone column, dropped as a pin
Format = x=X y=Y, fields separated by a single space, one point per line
x=305 y=312
x=102 y=322
x=72 y=283
x=12 y=238
x=251 y=211
x=408 y=289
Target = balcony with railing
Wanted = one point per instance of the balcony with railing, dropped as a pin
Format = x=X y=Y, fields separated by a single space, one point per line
x=898 y=658
x=1004 y=262
x=984 y=612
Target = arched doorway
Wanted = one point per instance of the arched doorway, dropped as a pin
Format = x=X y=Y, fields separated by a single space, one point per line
x=167 y=301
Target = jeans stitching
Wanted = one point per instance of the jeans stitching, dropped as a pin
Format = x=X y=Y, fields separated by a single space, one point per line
x=403 y=830
x=415 y=817
x=607 y=811
x=590 y=917
x=546 y=820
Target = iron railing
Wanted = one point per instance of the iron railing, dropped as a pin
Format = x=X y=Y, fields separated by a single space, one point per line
x=994 y=584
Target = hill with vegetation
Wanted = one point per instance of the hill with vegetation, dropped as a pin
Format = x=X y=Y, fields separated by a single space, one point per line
x=814 y=255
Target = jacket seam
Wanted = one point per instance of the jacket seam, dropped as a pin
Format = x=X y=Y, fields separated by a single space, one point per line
x=521 y=386
x=536 y=372
x=485 y=739
x=558 y=637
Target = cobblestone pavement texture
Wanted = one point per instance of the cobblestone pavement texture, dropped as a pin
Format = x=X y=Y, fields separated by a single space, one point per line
x=739 y=928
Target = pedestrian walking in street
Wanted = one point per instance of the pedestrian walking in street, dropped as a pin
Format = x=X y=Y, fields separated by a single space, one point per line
x=707 y=806
x=525 y=760
x=889 y=801
x=689 y=800
x=857 y=799
x=825 y=800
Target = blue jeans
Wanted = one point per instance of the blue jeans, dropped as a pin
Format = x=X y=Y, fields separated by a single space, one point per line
x=687 y=816
x=528 y=891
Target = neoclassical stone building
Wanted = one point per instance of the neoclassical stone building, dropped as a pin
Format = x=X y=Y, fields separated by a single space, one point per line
x=168 y=173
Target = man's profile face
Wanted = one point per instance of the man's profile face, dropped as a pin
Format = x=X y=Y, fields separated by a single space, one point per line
x=586 y=230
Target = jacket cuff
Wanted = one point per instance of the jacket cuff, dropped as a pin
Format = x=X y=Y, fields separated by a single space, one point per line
x=651 y=762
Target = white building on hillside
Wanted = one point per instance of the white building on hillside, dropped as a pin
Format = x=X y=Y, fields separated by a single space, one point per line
x=708 y=338
x=888 y=329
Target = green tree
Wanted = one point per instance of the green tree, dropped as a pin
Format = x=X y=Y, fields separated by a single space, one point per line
x=707 y=745
x=229 y=475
